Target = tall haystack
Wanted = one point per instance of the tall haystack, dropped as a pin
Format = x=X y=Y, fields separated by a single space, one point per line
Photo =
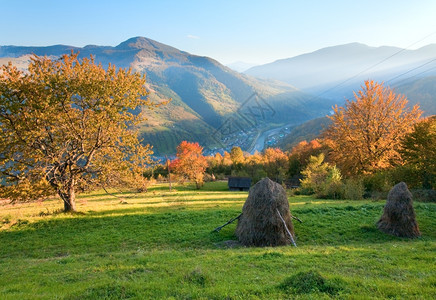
x=399 y=216
x=264 y=215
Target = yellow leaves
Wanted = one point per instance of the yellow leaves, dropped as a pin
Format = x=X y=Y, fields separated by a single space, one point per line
x=71 y=118
x=367 y=131
x=190 y=162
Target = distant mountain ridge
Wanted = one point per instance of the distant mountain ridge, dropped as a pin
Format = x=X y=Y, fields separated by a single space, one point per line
x=211 y=103
x=338 y=70
x=240 y=66
x=205 y=94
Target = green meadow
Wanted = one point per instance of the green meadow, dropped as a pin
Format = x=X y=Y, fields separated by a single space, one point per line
x=160 y=245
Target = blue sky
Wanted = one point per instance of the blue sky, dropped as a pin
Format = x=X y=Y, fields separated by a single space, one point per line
x=229 y=31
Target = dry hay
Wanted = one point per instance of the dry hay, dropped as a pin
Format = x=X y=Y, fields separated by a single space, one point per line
x=260 y=223
x=399 y=217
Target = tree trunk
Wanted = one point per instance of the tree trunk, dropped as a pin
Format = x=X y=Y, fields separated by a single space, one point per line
x=69 y=197
x=198 y=184
x=169 y=172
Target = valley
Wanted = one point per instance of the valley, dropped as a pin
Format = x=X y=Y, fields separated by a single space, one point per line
x=221 y=108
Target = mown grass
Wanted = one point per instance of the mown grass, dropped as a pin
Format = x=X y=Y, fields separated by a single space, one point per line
x=160 y=245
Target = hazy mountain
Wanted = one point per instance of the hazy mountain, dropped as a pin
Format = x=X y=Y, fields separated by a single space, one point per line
x=209 y=100
x=420 y=91
x=240 y=66
x=337 y=71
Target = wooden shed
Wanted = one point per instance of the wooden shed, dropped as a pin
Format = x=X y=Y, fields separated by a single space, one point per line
x=239 y=183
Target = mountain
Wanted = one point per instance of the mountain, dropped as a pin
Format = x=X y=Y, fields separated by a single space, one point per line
x=420 y=91
x=211 y=103
x=240 y=66
x=304 y=132
x=336 y=71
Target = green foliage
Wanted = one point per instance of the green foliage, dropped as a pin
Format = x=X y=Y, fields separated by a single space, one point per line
x=419 y=152
x=321 y=179
x=314 y=174
x=332 y=187
x=424 y=195
x=378 y=185
x=294 y=166
x=300 y=154
x=354 y=189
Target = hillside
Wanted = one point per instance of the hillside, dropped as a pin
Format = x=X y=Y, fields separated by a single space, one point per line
x=337 y=71
x=307 y=131
x=420 y=91
x=206 y=96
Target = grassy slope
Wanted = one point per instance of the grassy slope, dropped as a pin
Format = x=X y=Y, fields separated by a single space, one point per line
x=160 y=245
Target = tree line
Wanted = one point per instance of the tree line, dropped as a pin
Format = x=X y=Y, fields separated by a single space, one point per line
x=374 y=141
x=68 y=125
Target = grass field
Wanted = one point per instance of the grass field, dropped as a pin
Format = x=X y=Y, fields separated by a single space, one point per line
x=160 y=245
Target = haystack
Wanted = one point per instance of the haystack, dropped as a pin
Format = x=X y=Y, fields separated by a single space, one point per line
x=265 y=218
x=399 y=216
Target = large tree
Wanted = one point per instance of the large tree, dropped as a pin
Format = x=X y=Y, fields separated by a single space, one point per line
x=67 y=125
x=365 y=134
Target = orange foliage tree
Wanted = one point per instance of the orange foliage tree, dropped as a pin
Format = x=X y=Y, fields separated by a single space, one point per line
x=253 y=167
x=275 y=164
x=190 y=162
x=300 y=154
x=365 y=134
x=66 y=125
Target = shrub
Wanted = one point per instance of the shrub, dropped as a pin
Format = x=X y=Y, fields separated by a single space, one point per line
x=354 y=189
x=321 y=179
x=378 y=185
x=424 y=195
x=332 y=187
x=315 y=175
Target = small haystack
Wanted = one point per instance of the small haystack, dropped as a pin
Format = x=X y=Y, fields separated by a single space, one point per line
x=265 y=218
x=399 y=216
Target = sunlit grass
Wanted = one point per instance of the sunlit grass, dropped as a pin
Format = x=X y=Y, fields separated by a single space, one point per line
x=160 y=244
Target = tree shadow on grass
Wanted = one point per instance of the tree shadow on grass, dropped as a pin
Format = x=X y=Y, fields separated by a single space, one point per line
x=180 y=229
x=92 y=234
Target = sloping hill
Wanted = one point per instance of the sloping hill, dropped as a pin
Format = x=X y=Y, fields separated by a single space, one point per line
x=420 y=91
x=205 y=94
x=305 y=132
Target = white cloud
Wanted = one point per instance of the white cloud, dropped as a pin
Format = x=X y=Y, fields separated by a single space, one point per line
x=194 y=37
